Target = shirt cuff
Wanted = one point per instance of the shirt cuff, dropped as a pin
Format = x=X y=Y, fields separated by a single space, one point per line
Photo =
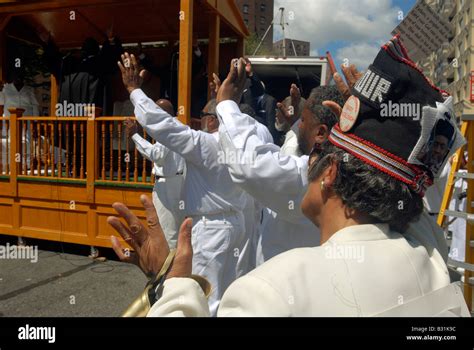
x=136 y=137
x=137 y=95
x=181 y=297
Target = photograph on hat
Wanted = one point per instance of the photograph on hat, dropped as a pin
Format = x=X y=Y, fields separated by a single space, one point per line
x=437 y=149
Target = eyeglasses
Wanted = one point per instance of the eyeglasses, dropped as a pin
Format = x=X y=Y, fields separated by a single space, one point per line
x=205 y=114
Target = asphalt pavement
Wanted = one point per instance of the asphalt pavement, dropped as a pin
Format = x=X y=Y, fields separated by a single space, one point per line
x=64 y=281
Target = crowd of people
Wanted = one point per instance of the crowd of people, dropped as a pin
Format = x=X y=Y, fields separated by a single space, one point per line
x=304 y=207
x=330 y=224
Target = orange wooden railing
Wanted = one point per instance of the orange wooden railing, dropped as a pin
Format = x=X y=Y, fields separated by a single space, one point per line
x=83 y=149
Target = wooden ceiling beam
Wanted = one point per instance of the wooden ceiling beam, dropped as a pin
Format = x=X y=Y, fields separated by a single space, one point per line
x=35 y=7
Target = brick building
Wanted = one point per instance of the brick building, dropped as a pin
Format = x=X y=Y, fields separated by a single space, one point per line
x=258 y=15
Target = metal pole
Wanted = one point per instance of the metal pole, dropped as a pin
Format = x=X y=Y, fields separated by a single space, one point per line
x=282 y=24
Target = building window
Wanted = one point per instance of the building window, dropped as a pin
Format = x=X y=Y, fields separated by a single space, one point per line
x=246 y=21
x=263 y=7
x=246 y=9
x=262 y=20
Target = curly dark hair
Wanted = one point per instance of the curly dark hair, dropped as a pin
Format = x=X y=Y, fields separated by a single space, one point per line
x=368 y=190
x=317 y=97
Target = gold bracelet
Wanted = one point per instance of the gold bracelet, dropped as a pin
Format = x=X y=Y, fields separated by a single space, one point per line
x=142 y=305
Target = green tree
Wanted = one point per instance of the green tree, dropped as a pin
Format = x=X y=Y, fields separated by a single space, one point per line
x=251 y=44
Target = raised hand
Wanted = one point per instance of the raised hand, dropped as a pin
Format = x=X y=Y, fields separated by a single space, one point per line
x=295 y=94
x=284 y=116
x=248 y=67
x=132 y=77
x=289 y=115
x=334 y=107
x=149 y=243
x=352 y=75
x=215 y=85
x=233 y=86
x=131 y=127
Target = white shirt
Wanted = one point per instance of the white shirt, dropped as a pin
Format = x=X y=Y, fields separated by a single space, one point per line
x=362 y=270
x=25 y=98
x=208 y=187
x=434 y=194
x=276 y=181
x=290 y=147
x=165 y=162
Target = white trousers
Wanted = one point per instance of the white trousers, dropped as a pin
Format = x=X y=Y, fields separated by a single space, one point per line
x=166 y=198
x=217 y=241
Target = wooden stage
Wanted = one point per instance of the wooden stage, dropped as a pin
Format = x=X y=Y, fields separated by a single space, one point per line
x=60 y=175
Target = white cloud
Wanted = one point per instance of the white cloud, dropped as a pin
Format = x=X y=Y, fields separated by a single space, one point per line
x=360 y=54
x=323 y=21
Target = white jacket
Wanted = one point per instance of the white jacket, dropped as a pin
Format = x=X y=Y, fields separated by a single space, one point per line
x=363 y=270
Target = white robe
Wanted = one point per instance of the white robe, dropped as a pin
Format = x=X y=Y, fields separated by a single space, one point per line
x=363 y=270
x=276 y=181
x=210 y=197
x=167 y=192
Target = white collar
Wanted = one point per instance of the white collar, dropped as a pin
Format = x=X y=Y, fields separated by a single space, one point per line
x=368 y=232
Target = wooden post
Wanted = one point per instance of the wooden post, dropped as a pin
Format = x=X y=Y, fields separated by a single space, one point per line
x=91 y=159
x=213 y=51
x=15 y=144
x=185 y=60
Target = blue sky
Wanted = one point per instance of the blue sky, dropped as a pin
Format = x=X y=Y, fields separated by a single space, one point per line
x=349 y=29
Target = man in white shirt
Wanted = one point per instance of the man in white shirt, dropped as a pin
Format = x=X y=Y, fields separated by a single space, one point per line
x=168 y=168
x=276 y=181
x=211 y=198
x=18 y=95
x=364 y=267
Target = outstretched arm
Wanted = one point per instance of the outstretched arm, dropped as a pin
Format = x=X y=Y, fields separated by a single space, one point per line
x=190 y=144
x=278 y=182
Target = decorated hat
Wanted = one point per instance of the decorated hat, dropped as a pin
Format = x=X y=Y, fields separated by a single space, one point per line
x=395 y=118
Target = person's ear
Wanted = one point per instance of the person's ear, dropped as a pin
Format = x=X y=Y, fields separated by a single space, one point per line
x=330 y=174
x=322 y=133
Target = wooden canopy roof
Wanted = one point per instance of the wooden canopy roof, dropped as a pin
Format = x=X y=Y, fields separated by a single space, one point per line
x=132 y=20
